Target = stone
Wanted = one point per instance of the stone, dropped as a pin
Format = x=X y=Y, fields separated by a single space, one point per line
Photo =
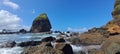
x=94 y=51
x=60 y=40
x=65 y=48
x=92 y=38
x=114 y=25
x=80 y=52
x=100 y=30
x=110 y=46
x=29 y=43
x=116 y=11
x=48 y=39
x=74 y=40
x=22 y=31
x=41 y=24
x=8 y=44
x=61 y=44
x=41 y=49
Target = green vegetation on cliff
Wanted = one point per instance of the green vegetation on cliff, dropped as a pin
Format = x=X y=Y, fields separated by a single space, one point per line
x=42 y=16
x=41 y=24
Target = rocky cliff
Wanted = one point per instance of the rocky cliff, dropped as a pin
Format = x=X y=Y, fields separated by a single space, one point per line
x=114 y=25
x=41 y=24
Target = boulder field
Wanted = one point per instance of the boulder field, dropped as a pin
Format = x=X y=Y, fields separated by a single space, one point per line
x=47 y=47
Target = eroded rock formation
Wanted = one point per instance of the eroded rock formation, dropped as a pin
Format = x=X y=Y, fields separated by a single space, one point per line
x=41 y=24
x=114 y=25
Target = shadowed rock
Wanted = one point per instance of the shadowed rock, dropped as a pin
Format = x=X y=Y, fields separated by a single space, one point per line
x=41 y=49
x=48 y=39
x=114 y=25
x=110 y=46
x=41 y=24
x=29 y=43
x=8 y=44
x=64 y=47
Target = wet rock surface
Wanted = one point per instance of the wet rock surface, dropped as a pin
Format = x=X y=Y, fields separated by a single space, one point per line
x=110 y=46
x=29 y=43
x=8 y=44
x=46 y=47
x=41 y=49
x=48 y=39
x=92 y=38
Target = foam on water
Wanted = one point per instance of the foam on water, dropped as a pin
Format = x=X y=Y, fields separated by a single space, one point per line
x=27 y=37
x=19 y=38
x=14 y=50
x=84 y=48
x=76 y=48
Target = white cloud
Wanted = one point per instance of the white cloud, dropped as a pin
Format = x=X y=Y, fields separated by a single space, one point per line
x=10 y=21
x=77 y=29
x=11 y=4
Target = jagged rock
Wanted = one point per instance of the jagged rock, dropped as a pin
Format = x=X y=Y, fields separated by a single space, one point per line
x=41 y=49
x=91 y=38
x=80 y=52
x=8 y=44
x=74 y=34
x=22 y=31
x=29 y=43
x=110 y=46
x=114 y=25
x=94 y=51
x=41 y=24
x=65 y=48
x=116 y=11
x=61 y=44
x=74 y=40
x=100 y=30
x=60 y=40
x=48 y=39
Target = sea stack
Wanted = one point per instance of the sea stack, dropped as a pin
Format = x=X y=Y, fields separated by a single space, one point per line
x=114 y=25
x=41 y=24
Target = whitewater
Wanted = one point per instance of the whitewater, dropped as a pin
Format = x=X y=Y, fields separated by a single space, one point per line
x=29 y=37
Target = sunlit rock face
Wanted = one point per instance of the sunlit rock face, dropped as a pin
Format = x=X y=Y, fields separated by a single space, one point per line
x=41 y=24
x=114 y=25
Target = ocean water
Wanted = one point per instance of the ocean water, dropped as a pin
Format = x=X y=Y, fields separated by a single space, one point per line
x=31 y=36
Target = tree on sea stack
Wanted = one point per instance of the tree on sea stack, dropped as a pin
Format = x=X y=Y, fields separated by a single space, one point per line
x=41 y=24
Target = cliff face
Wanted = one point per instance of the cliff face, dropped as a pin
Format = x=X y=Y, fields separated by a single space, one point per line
x=41 y=24
x=114 y=25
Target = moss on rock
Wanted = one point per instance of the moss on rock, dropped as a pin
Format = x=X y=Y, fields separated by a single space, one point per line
x=41 y=24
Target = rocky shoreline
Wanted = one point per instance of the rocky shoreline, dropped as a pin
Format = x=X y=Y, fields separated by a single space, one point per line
x=107 y=37
x=63 y=42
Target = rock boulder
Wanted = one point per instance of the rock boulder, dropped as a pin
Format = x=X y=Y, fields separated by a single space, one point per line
x=92 y=38
x=29 y=43
x=8 y=44
x=41 y=24
x=114 y=25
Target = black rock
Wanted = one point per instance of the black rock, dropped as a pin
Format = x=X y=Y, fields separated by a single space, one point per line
x=48 y=39
x=22 y=31
x=9 y=44
x=29 y=43
x=41 y=24
x=60 y=40
x=67 y=49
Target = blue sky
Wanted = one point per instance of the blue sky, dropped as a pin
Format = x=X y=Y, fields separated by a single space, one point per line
x=63 y=14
